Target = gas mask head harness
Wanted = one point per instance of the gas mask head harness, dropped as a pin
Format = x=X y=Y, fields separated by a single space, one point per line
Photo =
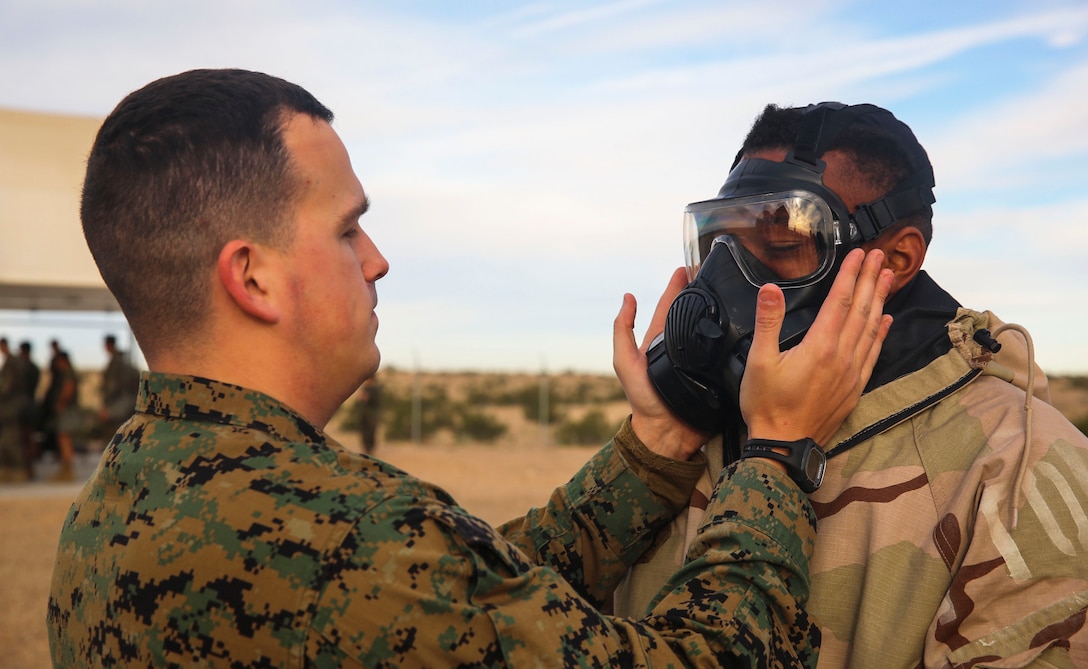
x=772 y=222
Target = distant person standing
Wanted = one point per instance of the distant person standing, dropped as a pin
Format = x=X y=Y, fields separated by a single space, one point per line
x=120 y=381
x=12 y=397
x=47 y=410
x=370 y=410
x=69 y=417
x=28 y=419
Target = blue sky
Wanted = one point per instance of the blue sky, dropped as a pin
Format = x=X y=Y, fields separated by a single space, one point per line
x=529 y=162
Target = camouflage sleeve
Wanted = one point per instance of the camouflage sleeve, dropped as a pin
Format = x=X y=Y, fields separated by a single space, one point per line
x=594 y=527
x=1020 y=596
x=756 y=540
x=426 y=585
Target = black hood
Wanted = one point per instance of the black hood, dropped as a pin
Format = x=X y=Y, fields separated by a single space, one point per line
x=919 y=334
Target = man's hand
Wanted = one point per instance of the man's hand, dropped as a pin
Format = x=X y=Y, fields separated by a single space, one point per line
x=809 y=390
x=653 y=423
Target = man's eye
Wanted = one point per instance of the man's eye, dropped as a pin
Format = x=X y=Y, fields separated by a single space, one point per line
x=785 y=249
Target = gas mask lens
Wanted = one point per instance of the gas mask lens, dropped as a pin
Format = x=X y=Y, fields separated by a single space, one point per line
x=785 y=238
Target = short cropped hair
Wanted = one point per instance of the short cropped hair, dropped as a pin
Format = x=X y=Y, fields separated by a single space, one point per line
x=879 y=156
x=178 y=169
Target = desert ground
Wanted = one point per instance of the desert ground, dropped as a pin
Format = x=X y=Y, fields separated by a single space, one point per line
x=496 y=481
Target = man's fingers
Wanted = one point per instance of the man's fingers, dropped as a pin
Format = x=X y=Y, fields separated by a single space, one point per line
x=856 y=300
x=836 y=306
x=881 y=292
x=623 y=335
x=867 y=326
x=770 y=312
x=867 y=303
x=869 y=365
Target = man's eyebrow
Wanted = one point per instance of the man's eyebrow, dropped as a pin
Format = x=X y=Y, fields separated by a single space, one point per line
x=357 y=211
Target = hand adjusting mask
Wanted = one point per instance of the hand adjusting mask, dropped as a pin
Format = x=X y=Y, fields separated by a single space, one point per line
x=771 y=223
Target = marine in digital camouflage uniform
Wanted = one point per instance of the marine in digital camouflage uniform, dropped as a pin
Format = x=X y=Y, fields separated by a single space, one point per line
x=223 y=529
x=953 y=523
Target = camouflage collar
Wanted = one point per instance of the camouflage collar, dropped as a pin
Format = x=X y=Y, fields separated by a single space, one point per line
x=207 y=400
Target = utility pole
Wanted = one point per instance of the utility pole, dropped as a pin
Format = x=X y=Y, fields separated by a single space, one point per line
x=417 y=402
x=544 y=398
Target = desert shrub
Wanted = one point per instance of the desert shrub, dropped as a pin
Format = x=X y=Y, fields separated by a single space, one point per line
x=465 y=412
x=489 y=391
x=591 y=429
x=1078 y=382
x=480 y=426
x=615 y=393
x=349 y=415
x=528 y=398
x=498 y=392
x=437 y=412
x=1082 y=424
x=588 y=392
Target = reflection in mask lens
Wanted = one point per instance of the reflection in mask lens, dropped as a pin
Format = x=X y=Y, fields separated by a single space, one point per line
x=788 y=235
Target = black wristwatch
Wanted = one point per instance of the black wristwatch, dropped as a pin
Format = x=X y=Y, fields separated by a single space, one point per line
x=805 y=463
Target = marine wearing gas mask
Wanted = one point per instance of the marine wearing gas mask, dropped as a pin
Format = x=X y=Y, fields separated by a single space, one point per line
x=772 y=222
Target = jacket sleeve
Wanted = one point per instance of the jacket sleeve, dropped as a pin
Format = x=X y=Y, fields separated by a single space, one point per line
x=1019 y=598
x=424 y=585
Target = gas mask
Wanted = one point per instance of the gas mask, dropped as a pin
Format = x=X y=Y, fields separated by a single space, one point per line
x=772 y=222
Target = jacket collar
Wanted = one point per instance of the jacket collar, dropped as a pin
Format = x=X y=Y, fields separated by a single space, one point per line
x=921 y=311
x=965 y=360
x=200 y=399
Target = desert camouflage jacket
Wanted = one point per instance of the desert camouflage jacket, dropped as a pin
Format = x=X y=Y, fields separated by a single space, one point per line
x=948 y=536
x=223 y=530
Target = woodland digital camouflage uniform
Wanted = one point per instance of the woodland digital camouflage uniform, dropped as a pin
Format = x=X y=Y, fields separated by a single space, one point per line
x=223 y=530
x=930 y=552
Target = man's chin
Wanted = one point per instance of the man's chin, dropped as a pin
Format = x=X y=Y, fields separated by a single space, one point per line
x=373 y=362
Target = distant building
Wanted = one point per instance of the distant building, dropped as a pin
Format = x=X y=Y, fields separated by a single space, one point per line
x=44 y=261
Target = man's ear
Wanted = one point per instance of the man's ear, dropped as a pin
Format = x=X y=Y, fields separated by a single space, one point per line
x=244 y=271
x=904 y=250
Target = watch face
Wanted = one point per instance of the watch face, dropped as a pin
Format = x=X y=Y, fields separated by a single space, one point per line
x=814 y=464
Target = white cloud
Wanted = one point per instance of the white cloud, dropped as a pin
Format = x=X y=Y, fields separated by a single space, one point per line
x=1001 y=144
x=578 y=17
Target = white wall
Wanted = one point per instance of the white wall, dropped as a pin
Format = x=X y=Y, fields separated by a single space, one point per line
x=44 y=261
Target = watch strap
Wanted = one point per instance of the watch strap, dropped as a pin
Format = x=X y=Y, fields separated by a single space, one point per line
x=794 y=461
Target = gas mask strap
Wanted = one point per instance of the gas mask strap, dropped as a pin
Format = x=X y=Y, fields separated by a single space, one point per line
x=822 y=123
x=873 y=218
